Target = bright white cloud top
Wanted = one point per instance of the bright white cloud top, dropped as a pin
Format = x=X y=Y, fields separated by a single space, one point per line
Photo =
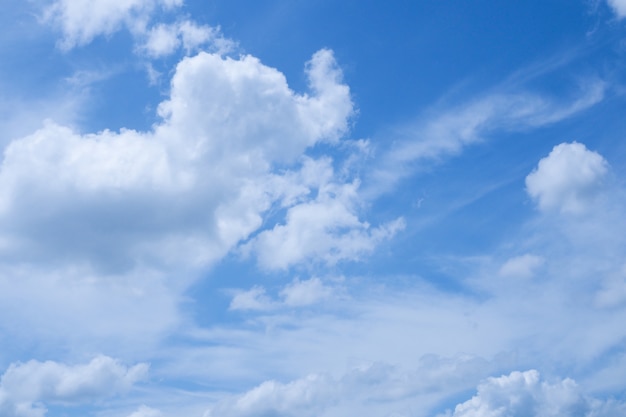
x=215 y=210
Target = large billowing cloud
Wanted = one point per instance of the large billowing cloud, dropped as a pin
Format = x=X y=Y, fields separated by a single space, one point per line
x=183 y=193
x=567 y=179
x=133 y=216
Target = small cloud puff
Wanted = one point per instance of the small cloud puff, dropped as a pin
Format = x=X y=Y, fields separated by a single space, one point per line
x=144 y=411
x=523 y=266
x=165 y=39
x=298 y=293
x=567 y=179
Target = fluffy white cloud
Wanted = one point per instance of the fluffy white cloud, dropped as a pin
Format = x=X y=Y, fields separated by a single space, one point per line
x=326 y=228
x=619 y=6
x=567 y=179
x=198 y=182
x=25 y=386
x=89 y=220
x=82 y=20
x=523 y=394
x=164 y=39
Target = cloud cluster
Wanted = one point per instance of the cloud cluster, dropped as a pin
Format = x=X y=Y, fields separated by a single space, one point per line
x=25 y=387
x=523 y=394
x=81 y=21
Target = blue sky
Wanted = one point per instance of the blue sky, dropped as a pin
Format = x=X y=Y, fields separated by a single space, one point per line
x=312 y=208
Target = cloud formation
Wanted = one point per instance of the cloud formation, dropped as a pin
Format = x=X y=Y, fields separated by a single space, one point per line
x=135 y=216
x=25 y=386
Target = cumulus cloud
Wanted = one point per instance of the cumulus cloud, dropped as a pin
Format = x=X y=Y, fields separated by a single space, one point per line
x=24 y=387
x=112 y=215
x=199 y=181
x=317 y=230
x=523 y=394
x=567 y=179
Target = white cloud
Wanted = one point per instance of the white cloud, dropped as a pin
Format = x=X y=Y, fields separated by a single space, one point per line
x=162 y=40
x=523 y=394
x=523 y=266
x=619 y=6
x=326 y=228
x=25 y=386
x=567 y=179
x=82 y=20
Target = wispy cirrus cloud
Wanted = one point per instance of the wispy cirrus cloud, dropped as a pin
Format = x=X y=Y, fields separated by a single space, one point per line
x=444 y=133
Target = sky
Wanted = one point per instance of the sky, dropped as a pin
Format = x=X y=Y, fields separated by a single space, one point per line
x=312 y=208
